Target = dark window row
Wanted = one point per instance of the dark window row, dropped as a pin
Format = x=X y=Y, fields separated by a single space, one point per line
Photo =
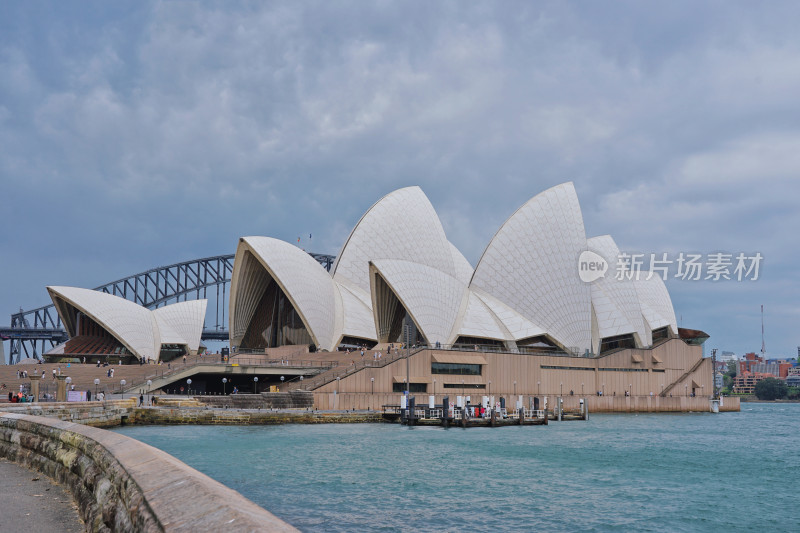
x=414 y=387
x=456 y=368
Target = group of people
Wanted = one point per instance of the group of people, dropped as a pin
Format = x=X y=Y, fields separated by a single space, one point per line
x=19 y=397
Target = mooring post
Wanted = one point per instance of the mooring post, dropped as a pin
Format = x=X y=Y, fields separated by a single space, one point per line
x=521 y=415
x=493 y=419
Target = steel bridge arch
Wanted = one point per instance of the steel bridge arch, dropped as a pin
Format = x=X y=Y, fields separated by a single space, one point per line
x=151 y=289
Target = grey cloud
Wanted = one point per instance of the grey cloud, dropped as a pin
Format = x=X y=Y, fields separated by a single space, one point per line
x=166 y=130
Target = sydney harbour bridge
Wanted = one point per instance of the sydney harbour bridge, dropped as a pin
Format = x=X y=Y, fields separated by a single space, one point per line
x=34 y=332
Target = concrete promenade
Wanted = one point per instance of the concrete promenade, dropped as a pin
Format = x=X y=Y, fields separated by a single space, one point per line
x=34 y=502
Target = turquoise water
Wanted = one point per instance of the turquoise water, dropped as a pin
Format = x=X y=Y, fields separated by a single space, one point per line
x=665 y=473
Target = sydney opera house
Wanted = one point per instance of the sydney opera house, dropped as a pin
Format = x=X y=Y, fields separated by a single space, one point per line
x=535 y=324
x=524 y=320
x=397 y=267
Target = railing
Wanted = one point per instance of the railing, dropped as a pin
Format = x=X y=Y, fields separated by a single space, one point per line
x=175 y=366
x=341 y=372
x=494 y=348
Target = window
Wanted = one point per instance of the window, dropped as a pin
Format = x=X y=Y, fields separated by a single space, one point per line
x=413 y=387
x=552 y=367
x=456 y=368
x=464 y=386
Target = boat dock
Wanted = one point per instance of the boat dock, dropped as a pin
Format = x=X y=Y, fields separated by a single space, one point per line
x=486 y=414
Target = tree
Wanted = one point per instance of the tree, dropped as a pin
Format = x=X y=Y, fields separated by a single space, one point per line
x=727 y=381
x=771 y=389
x=732 y=369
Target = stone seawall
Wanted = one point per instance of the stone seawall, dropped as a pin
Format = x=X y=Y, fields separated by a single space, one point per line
x=173 y=416
x=123 y=412
x=110 y=413
x=121 y=484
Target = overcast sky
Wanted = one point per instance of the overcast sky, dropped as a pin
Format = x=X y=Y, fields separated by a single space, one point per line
x=139 y=134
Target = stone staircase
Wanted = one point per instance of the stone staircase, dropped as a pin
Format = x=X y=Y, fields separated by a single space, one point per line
x=686 y=374
x=295 y=399
x=343 y=371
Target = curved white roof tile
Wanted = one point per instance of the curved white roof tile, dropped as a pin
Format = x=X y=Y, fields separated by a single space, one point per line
x=186 y=321
x=462 y=269
x=531 y=266
x=517 y=325
x=656 y=302
x=358 y=319
x=480 y=321
x=402 y=225
x=431 y=296
x=615 y=301
x=131 y=324
x=304 y=281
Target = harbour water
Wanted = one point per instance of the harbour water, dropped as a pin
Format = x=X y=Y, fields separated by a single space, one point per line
x=681 y=472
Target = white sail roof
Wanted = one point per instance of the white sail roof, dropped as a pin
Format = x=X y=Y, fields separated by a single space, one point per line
x=131 y=324
x=185 y=319
x=304 y=281
x=402 y=225
x=614 y=297
x=140 y=330
x=358 y=319
x=431 y=296
x=530 y=265
x=656 y=302
x=525 y=285
x=480 y=321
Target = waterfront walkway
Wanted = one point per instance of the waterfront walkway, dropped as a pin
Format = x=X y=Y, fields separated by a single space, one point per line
x=34 y=502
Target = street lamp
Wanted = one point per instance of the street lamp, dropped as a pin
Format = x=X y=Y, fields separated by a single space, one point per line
x=282 y=378
x=224 y=382
x=490 y=387
x=538 y=388
x=122 y=383
x=408 y=364
x=189 y=386
x=630 y=389
x=515 y=387
x=562 y=388
x=149 y=385
x=604 y=389
x=581 y=389
x=96 y=383
x=255 y=383
x=372 y=381
x=434 y=386
x=686 y=390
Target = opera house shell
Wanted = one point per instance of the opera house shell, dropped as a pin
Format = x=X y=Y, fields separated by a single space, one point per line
x=397 y=268
x=98 y=323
